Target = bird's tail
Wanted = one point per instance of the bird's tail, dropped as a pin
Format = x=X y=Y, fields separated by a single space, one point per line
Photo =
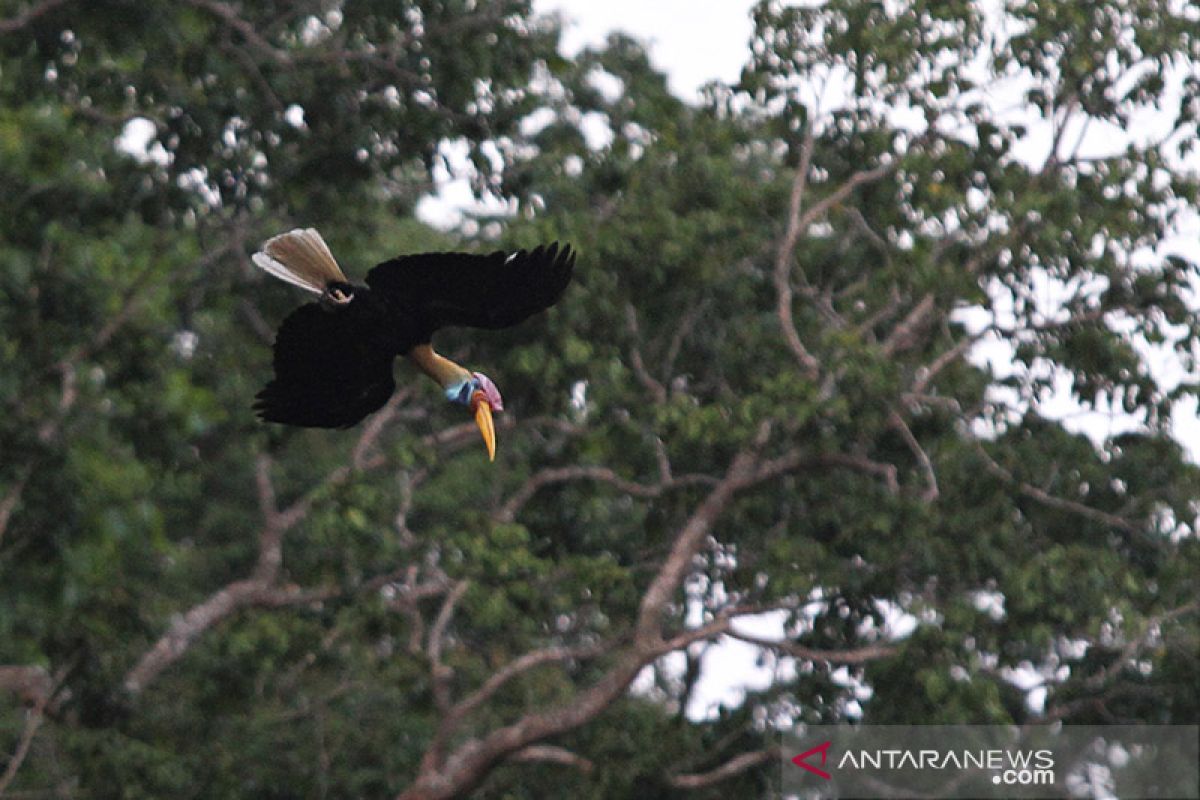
x=302 y=258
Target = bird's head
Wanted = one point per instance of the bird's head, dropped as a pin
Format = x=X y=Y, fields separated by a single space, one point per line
x=479 y=394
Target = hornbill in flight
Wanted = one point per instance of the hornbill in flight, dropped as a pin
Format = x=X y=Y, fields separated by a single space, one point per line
x=333 y=357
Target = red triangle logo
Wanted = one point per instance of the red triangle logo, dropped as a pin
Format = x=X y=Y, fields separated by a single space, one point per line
x=802 y=762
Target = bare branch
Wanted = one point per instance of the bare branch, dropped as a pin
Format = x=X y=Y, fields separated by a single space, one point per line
x=783 y=263
x=408 y=596
x=931 y=492
x=275 y=525
x=229 y=15
x=553 y=475
x=883 y=314
x=441 y=675
x=410 y=592
x=708 y=630
x=741 y=473
x=858 y=655
x=1047 y=499
x=657 y=391
x=731 y=768
x=664 y=460
x=845 y=190
x=32 y=722
x=798 y=222
x=31 y=684
x=516 y=668
x=408 y=481
x=438 y=634
x=262 y=589
x=861 y=223
x=1139 y=643
x=553 y=755
x=682 y=331
x=796 y=460
x=437 y=638
x=266 y=490
x=925 y=375
x=879 y=469
x=374 y=427
x=1054 y=160
x=469 y=763
x=184 y=631
x=12 y=497
x=904 y=335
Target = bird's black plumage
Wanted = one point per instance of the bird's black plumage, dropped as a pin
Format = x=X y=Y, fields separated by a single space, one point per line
x=490 y=291
x=333 y=363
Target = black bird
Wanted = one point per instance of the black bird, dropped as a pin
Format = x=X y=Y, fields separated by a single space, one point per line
x=333 y=357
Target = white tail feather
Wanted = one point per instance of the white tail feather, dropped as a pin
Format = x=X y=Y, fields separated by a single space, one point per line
x=301 y=258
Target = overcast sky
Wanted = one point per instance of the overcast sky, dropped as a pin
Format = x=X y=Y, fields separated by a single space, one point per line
x=694 y=41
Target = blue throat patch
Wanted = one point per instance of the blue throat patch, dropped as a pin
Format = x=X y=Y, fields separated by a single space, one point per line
x=460 y=392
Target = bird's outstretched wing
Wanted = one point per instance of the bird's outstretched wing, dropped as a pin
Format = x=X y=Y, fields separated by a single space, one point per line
x=329 y=373
x=479 y=291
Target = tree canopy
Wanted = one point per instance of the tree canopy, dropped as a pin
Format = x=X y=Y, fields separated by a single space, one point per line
x=807 y=373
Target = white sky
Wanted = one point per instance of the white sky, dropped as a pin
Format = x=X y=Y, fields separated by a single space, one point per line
x=695 y=41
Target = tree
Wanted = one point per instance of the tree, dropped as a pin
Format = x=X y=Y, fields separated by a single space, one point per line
x=761 y=396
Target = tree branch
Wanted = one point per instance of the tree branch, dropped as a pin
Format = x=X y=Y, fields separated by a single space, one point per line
x=657 y=391
x=682 y=331
x=553 y=755
x=33 y=721
x=845 y=190
x=1139 y=643
x=858 y=655
x=783 y=263
x=261 y=588
x=887 y=472
x=32 y=685
x=470 y=762
x=931 y=492
x=553 y=475
x=184 y=631
x=516 y=668
x=799 y=221
x=437 y=638
x=12 y=497
x=925 y=375
x=731 y=768
x=904 y=335
x=1131 y=651
x=741 y=473
x=229 y=15
x=1047 y=499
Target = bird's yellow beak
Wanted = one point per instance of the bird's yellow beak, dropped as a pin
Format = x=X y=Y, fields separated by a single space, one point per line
x=483 y=418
